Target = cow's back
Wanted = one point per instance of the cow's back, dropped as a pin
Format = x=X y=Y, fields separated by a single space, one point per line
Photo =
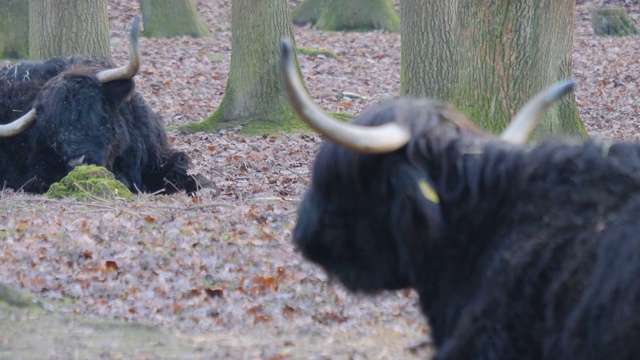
x=603 y=321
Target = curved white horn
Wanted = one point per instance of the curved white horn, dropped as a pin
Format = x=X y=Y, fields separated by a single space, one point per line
x=366 y=139
x=525 y=121
x=19 y=125
x=127 y=71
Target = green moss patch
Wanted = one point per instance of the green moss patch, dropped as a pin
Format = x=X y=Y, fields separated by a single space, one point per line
x=87 y=183
x=289 y=124
x=316 y=52
x=270 y=123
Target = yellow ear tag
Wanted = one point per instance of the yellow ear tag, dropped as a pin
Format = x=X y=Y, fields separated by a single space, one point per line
x=428 y=192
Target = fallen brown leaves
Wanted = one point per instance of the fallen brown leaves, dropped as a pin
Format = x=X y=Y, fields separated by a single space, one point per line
x=199 y=265
x=225 y=264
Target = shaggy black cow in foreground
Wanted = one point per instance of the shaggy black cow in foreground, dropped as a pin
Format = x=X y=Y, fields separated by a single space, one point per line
x=79 y=110
x=516 y=251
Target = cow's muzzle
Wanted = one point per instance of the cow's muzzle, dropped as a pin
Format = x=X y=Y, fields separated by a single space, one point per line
x=77 y=161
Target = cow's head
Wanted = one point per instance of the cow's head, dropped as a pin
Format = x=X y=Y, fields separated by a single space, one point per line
x=78 y=116
x=373 y=194
x=76 y=111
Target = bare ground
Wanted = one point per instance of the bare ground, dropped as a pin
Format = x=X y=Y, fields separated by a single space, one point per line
x=217 y=274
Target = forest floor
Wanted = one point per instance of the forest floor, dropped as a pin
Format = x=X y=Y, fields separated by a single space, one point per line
x=217 y=274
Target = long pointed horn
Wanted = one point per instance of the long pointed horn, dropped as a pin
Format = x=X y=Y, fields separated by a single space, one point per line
x=129 y=70
x=522 y=125
x=373 y=140
x=19 y=125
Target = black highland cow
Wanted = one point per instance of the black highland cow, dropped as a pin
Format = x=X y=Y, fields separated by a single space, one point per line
x=517 y=251
x=76 y=110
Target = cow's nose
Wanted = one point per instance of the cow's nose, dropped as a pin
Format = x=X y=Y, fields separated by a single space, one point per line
x=76 y=161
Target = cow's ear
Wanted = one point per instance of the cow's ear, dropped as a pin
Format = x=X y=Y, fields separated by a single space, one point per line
x=417 y=207
x=118 y=91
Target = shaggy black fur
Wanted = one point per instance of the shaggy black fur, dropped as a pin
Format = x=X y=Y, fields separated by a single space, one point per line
x=110 y=124
x=529 y=252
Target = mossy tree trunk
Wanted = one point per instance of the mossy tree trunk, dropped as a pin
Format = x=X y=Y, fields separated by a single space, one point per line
x=347 y=15
x=307 y=12
x=66 y=27
x=254 y=97
x=14 y=29
x=612 y=22
x=169 y=18
x=490 y=58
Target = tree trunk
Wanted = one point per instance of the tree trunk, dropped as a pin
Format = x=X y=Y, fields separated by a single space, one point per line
x=66 y=27
x=14 y=29
x=255 y=96
x=348 y=15
x=307 y=12
x=169 y=18
x=489 y=58
x=612 y=22
x=426 y=51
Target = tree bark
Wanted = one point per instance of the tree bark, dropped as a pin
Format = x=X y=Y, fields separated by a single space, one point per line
x=14 y=29
x=169 y=18
x=427 y=54
x=489 y=58
x=255 y=96
x=348 y=15
x=67 y=27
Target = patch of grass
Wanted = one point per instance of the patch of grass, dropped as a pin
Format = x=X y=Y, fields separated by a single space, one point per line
x=169 y=128
x=17 y=298
x=216 y=58
x=342 y=116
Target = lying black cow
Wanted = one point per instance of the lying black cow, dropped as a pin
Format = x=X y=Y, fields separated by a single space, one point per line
x=76 y=110
x=517 y=251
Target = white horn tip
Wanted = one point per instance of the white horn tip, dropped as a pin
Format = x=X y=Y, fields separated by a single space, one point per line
x=559 y=89
x=522 y=126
